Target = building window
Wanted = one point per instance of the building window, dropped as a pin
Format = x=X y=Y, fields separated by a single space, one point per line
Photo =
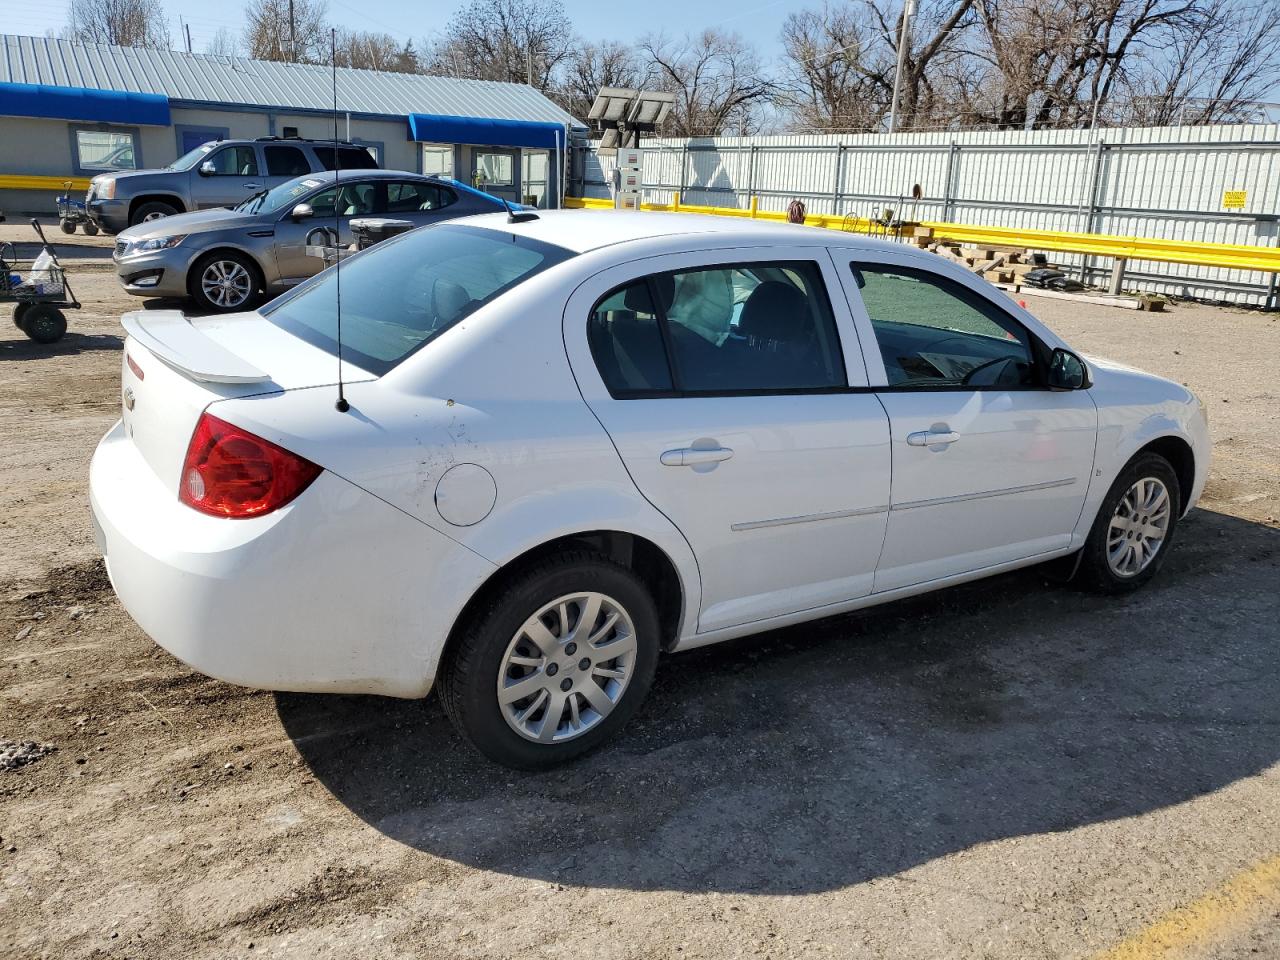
x=105 y=150
x=493 y=169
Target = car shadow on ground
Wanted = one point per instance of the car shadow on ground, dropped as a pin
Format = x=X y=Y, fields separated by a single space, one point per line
x=833 y=753
x=21 y=347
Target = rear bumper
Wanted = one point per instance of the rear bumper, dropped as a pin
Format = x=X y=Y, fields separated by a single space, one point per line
x=336 y=592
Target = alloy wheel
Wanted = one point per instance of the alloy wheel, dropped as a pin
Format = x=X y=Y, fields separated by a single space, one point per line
x=1138 y=527
x=226 y=283
x=567 y=667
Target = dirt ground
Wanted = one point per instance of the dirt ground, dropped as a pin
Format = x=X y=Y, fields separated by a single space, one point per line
x=1009 y=769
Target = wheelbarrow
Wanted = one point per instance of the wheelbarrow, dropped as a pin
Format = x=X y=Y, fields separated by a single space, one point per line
x=39 y=290
x=72 y=212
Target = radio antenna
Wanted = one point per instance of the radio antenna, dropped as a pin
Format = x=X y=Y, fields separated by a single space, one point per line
x=341 y=406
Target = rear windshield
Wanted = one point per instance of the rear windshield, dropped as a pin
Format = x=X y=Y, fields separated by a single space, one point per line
x=403 y=293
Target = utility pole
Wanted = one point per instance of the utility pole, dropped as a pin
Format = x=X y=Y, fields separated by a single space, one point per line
x=186 y=28
x=904 y=38
x=293 y=35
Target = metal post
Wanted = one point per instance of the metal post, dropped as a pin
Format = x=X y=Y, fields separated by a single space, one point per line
x=952 y=154
x=1117 y=276
x=835 y=189
x=751 y=177
x=1092 y=210
x=904 y=34
x=684 y=163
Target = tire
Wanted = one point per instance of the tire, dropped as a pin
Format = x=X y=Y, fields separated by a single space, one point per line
x=479 y=661
x=43 y=323
x=208 y=274
x=90 y=228
x=1119 y=555
x=66 y=226
x=20 y=311
x=154 y=210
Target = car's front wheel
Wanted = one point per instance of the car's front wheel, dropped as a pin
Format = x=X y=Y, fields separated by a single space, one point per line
x=224 y=282
x=555 y=663
x=1134 y=527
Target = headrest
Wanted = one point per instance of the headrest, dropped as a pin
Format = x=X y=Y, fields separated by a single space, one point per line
x=449 y=299
x=775 y=311
x=637 y=295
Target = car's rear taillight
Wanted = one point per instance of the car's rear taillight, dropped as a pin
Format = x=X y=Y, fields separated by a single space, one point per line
x=229 y=472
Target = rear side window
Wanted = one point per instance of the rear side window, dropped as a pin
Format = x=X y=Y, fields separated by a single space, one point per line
x=403 y=293
x=416 y=197
x=286 y=162
x=737 y=329
x=626 y=342
x=352 y=158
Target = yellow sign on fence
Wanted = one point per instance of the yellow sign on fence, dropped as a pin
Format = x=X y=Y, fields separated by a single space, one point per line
x=1234 y=199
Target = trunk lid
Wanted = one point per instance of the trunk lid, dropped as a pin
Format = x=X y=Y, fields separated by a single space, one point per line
x=175 y=367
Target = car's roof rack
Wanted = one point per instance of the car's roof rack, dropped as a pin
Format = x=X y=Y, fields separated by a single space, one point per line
x=341 y=143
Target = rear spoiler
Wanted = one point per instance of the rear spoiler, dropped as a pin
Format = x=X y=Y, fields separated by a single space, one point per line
x=179 y=343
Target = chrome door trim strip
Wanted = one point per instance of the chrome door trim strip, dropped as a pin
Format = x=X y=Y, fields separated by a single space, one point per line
x=986 y=494
x=807 y=518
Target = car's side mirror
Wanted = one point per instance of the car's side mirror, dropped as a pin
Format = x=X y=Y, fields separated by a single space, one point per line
x=207 y=169
x=1067 y=371
x=301 y=212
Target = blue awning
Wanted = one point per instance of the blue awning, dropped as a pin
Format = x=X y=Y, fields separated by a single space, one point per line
x=435 y=128
x=81 y=103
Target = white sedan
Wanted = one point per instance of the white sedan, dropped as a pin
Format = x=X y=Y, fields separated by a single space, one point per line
x=574 y=442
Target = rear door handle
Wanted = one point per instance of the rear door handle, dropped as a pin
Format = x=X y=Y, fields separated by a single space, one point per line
x=691 y=456
x=927 y=438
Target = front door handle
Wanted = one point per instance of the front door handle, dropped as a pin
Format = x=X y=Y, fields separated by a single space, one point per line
x=927 y=438
x=252 y=186
x=691 y=456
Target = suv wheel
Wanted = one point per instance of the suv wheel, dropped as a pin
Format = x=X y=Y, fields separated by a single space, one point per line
x=154 y=210
x=555 y=663
x=224 y=282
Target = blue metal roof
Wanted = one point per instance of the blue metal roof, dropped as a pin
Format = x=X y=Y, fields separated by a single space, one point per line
x=237 y=81
x=433 y=127
x=80 y=103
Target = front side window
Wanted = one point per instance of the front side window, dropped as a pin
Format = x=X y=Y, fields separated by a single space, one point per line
x=105 y=150
x=235 y=162
x=353 y=200
x=935 y=333
x=286 y=162
x=404 y=292
x=748 y=328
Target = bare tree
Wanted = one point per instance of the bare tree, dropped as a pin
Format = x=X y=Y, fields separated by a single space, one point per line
x=590 y=67
x=268 y=34
x=127 y=23
x=830 y=70
x=375 y=51
x=513 y=40
x=224 y=43
x=717 y=79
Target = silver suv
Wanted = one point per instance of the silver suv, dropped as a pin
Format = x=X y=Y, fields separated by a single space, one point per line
x=220 y=173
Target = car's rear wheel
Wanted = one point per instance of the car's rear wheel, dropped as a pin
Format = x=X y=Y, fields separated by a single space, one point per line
x=1134 y=527
x=154 y=210
x=223 y=282
x=555 y=663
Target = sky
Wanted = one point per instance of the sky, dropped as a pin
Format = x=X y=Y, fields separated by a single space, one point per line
x=757 y=20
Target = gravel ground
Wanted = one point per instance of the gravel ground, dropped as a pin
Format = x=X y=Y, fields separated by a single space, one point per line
x=1008 y=769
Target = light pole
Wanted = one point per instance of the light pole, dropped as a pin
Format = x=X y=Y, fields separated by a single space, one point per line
x=908 y=8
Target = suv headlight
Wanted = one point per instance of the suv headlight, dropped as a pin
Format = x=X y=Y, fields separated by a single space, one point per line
x=105 y=189
x=156 y=243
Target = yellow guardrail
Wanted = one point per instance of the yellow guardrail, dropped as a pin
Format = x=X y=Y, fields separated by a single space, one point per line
x=1230 y=255
x=22 y=181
